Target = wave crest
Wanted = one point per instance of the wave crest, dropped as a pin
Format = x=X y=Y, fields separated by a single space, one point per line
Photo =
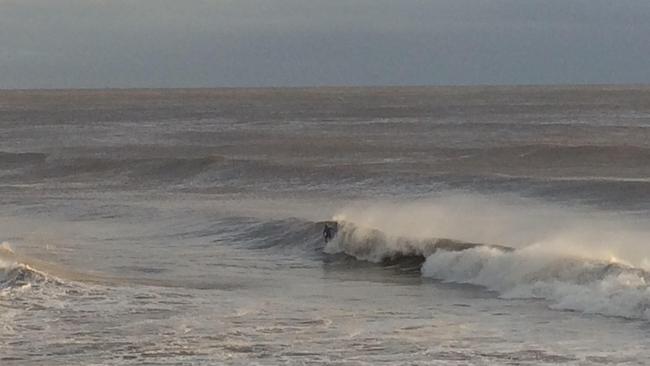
x=590 y=286
x=566 y=279
x=375 y=246
x=14 y=274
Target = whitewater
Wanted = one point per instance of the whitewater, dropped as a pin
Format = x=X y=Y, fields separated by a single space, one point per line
x=473 y=226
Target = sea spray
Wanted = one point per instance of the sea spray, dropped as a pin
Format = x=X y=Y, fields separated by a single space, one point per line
x=577 y=260
x=500 y=220
x=569 y=283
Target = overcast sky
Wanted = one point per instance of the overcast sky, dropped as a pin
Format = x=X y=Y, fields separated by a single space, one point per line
x=212 y=43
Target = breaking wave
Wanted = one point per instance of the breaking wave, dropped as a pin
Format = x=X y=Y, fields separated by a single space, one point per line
x=589 y=286
x=571 y=271
x=448 y=240
x=570 y=283
x=373 y=245
x=17 y=275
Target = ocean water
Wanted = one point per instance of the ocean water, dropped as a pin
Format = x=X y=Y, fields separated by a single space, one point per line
x=475 y=226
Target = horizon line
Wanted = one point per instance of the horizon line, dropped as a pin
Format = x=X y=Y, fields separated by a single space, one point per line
x=333 y=86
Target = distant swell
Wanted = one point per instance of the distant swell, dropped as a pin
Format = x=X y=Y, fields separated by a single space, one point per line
x=14 y=160
x=159 y=169
x=534 y=160
x=547 y=153
x=124 y=171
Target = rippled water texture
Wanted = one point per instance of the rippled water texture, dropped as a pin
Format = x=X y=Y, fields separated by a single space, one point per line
x=474 y=226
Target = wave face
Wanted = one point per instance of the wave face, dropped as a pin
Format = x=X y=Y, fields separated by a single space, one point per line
x=375 y=246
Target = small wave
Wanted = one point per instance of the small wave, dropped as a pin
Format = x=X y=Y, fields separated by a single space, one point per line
x=596 y=179
x=544 y=153
x=20 y=276
x=134 y=169
x=14 y=274
x=14 y=160
x=552 y=160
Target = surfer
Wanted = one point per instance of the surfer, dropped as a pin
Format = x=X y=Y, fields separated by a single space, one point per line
x=327 y=233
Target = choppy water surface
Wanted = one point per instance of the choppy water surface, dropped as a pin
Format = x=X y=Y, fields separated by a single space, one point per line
x=476 y=226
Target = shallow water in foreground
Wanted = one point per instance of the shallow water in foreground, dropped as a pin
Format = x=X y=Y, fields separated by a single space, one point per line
x=184 y=227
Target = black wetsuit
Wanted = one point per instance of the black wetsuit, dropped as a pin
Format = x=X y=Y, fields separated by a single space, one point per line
x=327 y=233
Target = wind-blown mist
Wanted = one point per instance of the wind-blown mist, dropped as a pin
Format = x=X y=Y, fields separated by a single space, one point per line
x=579 y=260
x=509 y=221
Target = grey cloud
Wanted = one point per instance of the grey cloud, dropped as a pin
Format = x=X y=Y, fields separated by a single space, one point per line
x=165 y=43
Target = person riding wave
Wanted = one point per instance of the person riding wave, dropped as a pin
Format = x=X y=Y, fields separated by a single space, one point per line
x=327 y=233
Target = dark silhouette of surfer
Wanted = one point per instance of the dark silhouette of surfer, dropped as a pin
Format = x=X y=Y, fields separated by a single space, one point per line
x=327 y=233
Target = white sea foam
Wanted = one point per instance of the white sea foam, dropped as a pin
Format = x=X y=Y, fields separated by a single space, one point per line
x=578 y=260
x=569 y=283
x=14 y=274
